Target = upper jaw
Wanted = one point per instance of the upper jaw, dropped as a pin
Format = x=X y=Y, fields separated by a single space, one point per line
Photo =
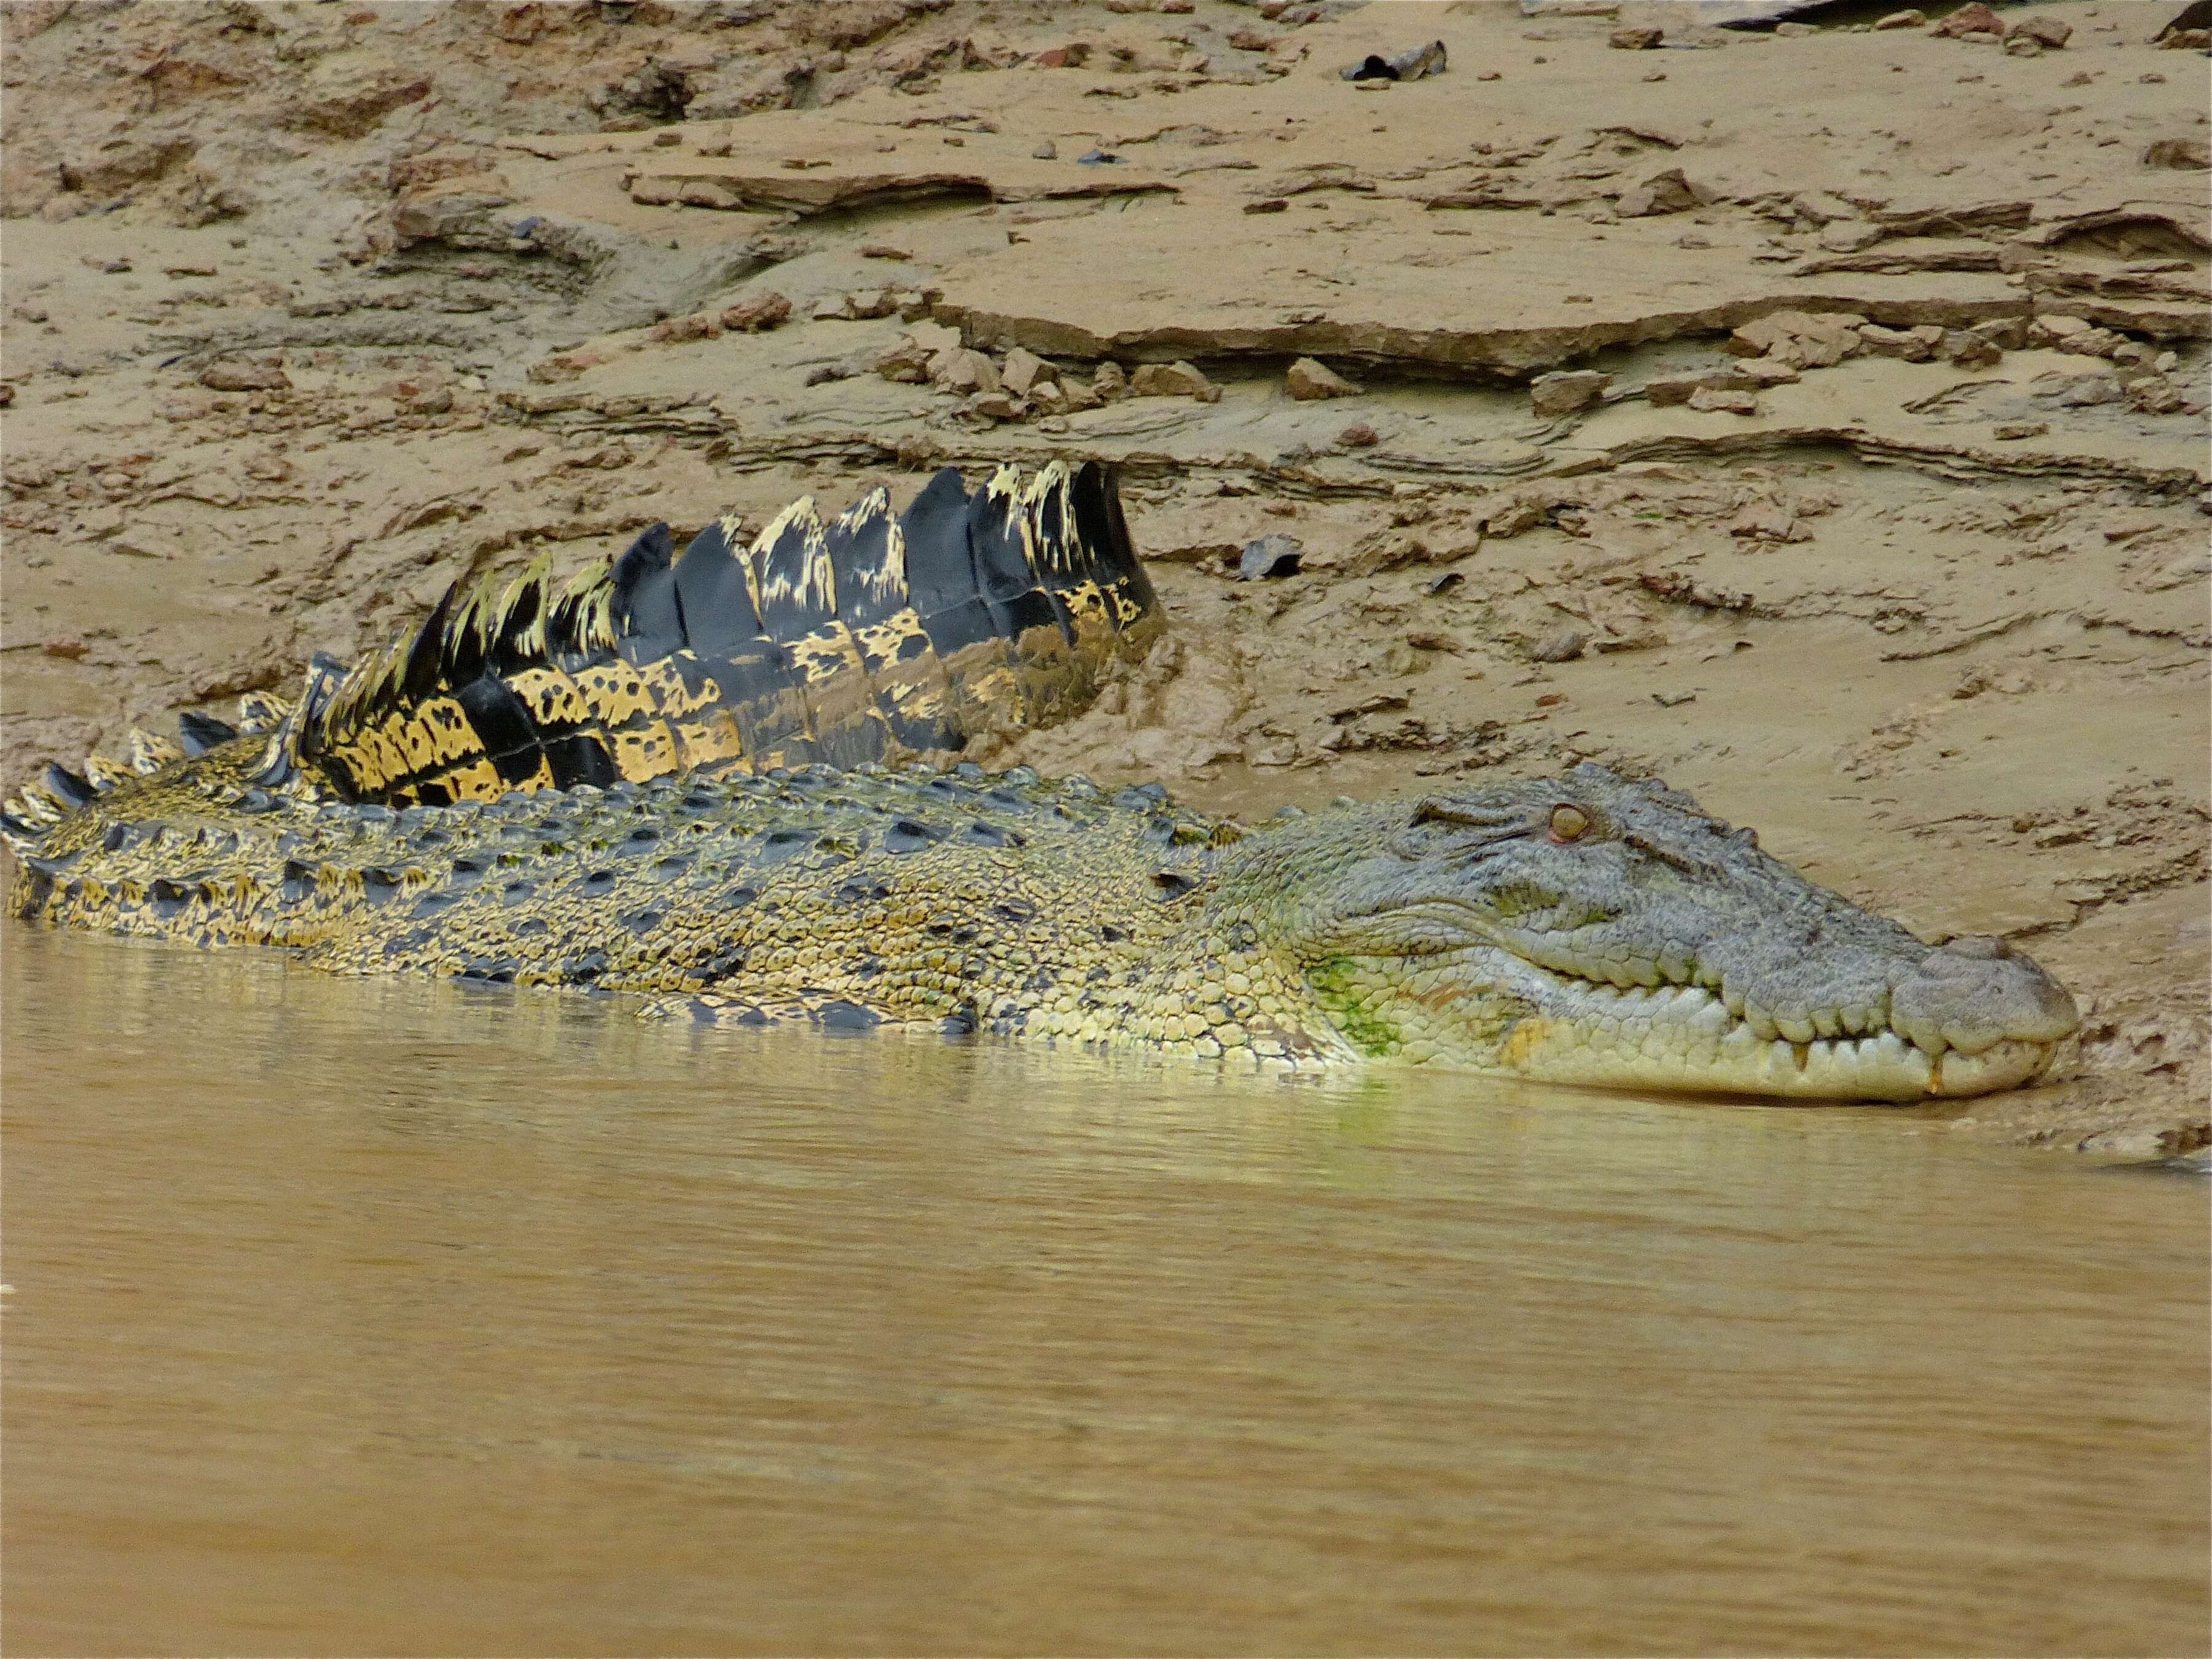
x=1908 y=1021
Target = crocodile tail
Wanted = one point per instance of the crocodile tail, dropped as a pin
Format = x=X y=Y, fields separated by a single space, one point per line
x=866 y=637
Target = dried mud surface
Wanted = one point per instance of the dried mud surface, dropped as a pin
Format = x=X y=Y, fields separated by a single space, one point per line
x=311 y=308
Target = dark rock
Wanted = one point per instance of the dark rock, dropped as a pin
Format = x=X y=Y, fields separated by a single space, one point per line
x=2196 y=14
x=1270 y=556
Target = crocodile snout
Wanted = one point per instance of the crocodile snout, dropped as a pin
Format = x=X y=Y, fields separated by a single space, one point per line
x=1974 y=993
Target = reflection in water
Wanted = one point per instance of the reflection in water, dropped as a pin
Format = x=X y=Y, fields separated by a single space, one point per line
x=362 y=1315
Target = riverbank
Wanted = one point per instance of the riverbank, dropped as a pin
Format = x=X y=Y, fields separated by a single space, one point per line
x=1813 y=418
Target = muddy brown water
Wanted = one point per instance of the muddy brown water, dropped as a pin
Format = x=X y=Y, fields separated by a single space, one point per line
x=361 y=1316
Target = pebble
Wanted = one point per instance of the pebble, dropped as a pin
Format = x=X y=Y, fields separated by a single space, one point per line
x=1566 y=392
x=1176 y=380
x=1269 y=556
x=1310 y=380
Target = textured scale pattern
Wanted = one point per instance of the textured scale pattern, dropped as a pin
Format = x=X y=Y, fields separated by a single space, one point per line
x=864 y=637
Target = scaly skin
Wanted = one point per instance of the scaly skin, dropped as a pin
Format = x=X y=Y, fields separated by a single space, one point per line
x=1587 y=929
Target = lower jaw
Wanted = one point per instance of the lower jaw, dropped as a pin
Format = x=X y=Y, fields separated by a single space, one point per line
x=1553 y=1051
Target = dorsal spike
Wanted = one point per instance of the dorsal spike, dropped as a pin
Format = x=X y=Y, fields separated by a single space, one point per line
x=72 y=790
x=20 y=837
x=103 y=774
x=149 y=753
x=201 y=732
x=261 y=711
x=35 y=806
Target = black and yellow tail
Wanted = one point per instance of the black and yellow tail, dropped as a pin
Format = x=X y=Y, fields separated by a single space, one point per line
x=865 y=638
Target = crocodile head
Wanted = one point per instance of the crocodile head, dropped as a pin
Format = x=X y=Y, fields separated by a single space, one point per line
x=1595 y=929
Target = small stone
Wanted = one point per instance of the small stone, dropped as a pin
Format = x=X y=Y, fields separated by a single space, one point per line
x=1644 y=39
x=1967 y=349
x=1754 y=374
x=1666 y=191
x=1566 y=392
x=1310 y=380
x=1108 y=382
x=1723 y=400
x=699 y=325
x=2189 y=155
x=2022 y=45
x=1272 y=204
x=884 y=251
x=1880 y=341
x=1268 y=556
x=1675 y=390
x=1176 y=380
x=1511 y=516
x=245 y=377
x=2153 y=394
x=1849 y=235
x=2011 y=431
x=1024 y=370
x=1564 y=646
x=1047 y=151
x=2043 y=31
x=1070 y=56
x=1795 y=31
x=753 y=316
x=1358 y=436
x=907 y=362
x=1909 y=19
x=2184 y=41
x=957 y=368
x=2167 y=362
x=998 y=405
x=1973 y=18
x=1800 y=339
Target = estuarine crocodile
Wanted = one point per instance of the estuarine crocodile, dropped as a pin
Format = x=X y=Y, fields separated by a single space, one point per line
x=670 y=780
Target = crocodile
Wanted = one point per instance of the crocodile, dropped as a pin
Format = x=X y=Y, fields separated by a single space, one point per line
x=708 y=782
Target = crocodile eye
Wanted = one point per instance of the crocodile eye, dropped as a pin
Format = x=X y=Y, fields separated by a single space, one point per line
x=1568 y=823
